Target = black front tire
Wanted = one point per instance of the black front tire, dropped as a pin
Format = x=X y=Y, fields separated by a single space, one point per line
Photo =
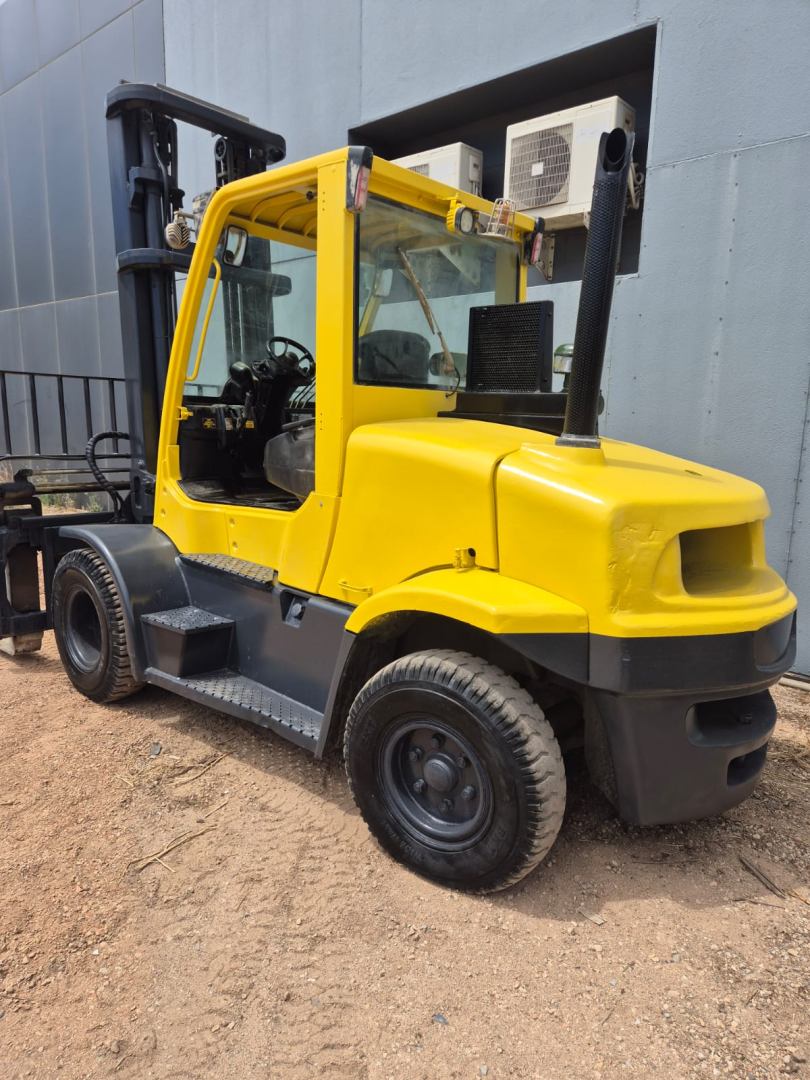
x=88 y=623
x=455 y=770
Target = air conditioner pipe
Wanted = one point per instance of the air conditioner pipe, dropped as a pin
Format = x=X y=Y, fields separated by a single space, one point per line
x=598 y=277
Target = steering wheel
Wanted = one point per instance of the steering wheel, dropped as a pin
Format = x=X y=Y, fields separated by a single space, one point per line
x=303 y=363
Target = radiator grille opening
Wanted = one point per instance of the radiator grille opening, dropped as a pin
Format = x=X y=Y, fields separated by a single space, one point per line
x=716 y=561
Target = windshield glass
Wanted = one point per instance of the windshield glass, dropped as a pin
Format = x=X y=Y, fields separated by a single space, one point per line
x=417 y=282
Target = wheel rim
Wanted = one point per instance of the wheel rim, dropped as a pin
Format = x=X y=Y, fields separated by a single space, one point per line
x=435 y=783
x=84 y=635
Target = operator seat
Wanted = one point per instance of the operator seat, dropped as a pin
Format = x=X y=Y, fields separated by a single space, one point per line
x=289 y=459
x=393 y=356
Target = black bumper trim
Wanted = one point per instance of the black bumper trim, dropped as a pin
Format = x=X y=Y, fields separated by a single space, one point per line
x=698 y=662
x=676 y=728
x=672 y=758
x=666 y=665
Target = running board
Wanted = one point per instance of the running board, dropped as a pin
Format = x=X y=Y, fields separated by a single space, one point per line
x=232 y=693
x=247 y=573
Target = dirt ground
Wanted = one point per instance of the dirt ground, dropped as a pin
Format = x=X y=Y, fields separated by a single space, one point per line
x=278 y=940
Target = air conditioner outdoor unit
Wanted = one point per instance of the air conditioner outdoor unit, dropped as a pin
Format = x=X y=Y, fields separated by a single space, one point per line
x=550 y=160
x=458 y=165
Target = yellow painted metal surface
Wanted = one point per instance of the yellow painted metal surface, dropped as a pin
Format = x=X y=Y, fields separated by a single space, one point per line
x=602 y=529
x=480 y=598
x=544 y=538
x=304 y=204
x=414 y=492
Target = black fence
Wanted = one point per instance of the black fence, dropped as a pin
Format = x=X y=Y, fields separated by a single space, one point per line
x=49 y=416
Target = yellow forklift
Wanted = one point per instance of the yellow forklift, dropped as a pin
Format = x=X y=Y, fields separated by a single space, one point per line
x=358 y=513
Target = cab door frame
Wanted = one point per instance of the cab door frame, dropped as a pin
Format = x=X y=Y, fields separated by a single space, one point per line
x=295 y=543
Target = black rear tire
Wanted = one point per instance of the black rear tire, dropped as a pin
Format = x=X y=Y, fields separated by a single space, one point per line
x=88 y=623
x=455 y=770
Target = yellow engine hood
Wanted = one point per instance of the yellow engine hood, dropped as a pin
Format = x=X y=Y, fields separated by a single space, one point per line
x=601 y=529
x=647 y=543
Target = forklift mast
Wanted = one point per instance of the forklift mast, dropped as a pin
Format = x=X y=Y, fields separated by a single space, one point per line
x=146 y=199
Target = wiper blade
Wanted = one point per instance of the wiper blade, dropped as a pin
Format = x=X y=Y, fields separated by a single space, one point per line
x=449 y=360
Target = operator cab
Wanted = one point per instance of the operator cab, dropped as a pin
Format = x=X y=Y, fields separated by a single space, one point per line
x=250 y=383
x=435 y=315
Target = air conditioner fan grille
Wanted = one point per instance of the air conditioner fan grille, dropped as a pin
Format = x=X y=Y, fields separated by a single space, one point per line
x=540 y=167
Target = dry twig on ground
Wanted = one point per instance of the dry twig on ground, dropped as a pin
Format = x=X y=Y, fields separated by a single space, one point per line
x=761 y=876
x=157 y=856
x=204 y=769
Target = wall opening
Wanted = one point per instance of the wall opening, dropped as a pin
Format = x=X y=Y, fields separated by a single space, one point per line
x=479 y=115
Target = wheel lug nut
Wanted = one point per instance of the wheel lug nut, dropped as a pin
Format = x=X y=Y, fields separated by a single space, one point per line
x=468 y=793
x=436 y=741
x=447 y=805
x=415 y=753
x=419 y=786
x=462 y=762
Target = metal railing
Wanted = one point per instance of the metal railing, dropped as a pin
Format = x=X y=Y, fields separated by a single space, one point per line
x=38 y=447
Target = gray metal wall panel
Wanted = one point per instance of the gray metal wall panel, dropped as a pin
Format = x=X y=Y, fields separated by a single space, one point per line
x=10 y=343
x=57 y=27
x=38 y=335
x=148 y=30
x=67 y=176
x=78 y=336
x=107 y=57
x=426 y=50
x=53 y=132
x=97 y=13
x=17 y=388
x=18 y=42
x=8 y=278
x=701 y=364
x=22 y=124
x=308 y=94
x=728 y=75
x=109 y=332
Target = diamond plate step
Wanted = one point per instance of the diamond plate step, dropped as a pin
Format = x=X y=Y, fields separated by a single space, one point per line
x=248 y=572
x=237 y=695
x=186 y=620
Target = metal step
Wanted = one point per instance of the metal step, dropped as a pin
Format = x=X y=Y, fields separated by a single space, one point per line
x=187 y=641
x=186 y=620
x=249 y=573
x=232 y=693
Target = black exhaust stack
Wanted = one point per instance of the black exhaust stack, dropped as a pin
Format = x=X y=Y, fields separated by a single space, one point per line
x=598 y=277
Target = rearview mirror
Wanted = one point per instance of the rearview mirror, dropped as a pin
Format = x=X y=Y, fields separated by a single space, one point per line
x=235 y=245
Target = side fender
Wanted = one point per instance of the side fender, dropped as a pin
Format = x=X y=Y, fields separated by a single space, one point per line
x=481 y=598
x=143 y=563
x=543 y=627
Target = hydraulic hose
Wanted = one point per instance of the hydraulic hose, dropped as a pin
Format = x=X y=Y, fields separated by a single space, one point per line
x=103 y=482
x=596 y=294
